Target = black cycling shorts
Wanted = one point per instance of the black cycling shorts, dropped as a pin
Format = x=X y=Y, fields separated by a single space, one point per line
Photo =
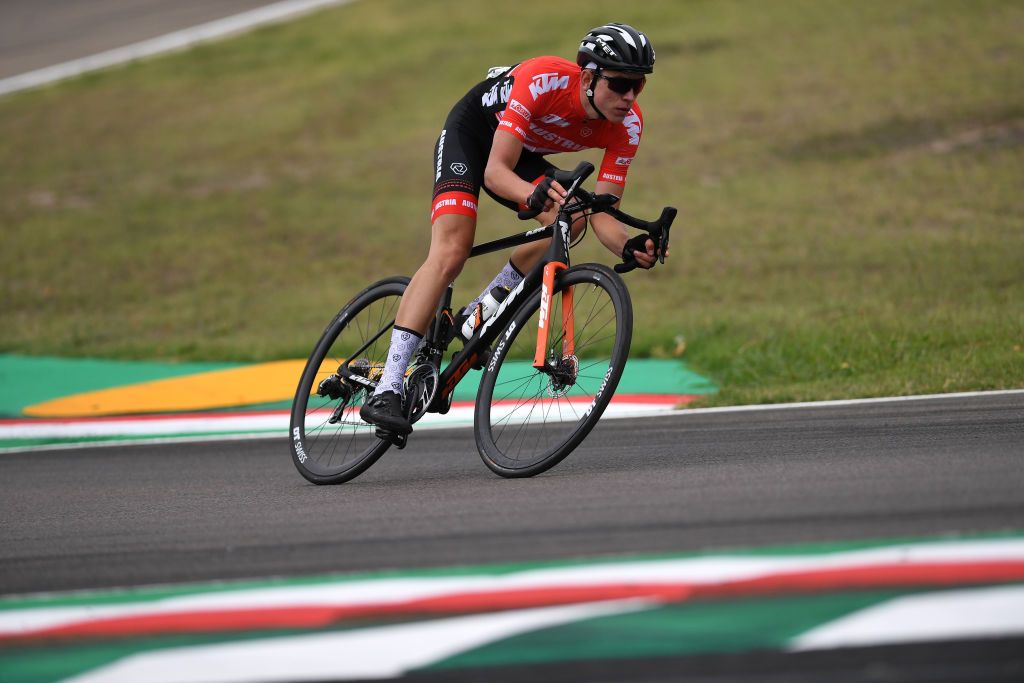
x=460 y=156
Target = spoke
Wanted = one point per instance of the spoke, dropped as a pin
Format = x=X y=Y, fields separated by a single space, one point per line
x=522 y=381
x=508 y=422
x=524 y=401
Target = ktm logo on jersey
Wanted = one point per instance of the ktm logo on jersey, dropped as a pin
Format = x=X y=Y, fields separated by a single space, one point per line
x=542 y=83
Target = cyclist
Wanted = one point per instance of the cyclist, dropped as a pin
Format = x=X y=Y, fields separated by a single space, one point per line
x=496 y=137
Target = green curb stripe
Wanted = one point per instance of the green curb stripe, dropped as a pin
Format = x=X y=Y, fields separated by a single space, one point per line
x=25 y=381
x=681 y=629
x=143 y=439
x=640 y=376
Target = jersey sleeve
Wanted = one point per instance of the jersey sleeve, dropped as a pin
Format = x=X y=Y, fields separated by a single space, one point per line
x=621 y=149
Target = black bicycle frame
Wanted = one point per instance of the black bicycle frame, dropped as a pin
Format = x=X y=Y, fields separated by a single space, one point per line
x=474 y=353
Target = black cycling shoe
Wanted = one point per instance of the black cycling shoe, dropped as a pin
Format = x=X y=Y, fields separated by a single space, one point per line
x=385 y=411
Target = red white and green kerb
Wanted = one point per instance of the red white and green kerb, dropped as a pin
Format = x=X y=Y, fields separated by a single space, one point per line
x=387 y=624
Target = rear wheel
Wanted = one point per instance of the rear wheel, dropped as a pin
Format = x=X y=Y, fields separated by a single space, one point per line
x=330 y=444
x=528 y=420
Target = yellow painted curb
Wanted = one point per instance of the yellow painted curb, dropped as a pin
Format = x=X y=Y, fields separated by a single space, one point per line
x=231 y=388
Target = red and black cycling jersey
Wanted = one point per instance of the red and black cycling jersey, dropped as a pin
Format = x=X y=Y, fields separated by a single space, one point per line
x=537 y=101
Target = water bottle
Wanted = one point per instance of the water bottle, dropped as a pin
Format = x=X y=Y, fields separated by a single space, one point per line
x=489 y=304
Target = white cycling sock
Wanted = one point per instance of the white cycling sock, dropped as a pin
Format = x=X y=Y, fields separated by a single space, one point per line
x=403 y=344
x=509 y=277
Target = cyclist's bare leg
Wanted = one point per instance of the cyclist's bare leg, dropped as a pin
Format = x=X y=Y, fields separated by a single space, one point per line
x=450 y=243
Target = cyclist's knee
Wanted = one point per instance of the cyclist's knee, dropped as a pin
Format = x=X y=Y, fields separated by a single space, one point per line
x=449 y=264
x=450 y=244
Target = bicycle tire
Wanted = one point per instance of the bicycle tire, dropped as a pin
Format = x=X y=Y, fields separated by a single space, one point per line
x=326 y=453
x=504 y=423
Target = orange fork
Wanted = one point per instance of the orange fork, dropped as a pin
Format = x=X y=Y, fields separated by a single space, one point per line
x=547 y=287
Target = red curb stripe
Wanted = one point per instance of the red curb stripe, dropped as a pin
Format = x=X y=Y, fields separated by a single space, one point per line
x=624 y=399
x=141 y=417
x=312 y=617
x=854 y=578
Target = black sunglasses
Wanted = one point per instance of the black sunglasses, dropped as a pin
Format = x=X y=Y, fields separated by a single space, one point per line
x=622 y=85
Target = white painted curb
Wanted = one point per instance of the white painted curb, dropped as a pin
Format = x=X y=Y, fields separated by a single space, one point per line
x=178 y=40
x=845 y=402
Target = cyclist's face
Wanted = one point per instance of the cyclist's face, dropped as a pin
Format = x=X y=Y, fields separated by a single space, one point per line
x=616 y=105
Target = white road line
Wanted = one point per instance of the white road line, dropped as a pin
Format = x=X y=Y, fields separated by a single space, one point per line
x=845 y=402
x=996 y=612
x=383 y=652
x=278 y=11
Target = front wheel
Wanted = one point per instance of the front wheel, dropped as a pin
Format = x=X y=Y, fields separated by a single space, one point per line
x=527 y=420
x=330 y=443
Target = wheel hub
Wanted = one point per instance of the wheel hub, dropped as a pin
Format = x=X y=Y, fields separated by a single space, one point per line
x=562 y=374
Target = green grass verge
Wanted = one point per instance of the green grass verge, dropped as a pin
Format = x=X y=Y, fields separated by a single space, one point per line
x=849 y=177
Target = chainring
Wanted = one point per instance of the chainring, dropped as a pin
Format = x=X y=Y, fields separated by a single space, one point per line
x=420 y=388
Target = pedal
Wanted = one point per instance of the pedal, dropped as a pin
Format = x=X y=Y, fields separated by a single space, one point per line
x=399 y=441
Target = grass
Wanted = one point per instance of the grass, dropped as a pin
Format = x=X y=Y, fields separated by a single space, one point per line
x=848 y=176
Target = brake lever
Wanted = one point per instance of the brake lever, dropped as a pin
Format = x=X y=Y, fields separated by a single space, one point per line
x=668 y=214
x=661 y=227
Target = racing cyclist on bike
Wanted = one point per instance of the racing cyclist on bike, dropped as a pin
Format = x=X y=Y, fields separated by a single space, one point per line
x=496 y=137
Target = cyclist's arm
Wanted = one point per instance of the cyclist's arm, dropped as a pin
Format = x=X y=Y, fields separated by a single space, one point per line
x=613 y=234
x=500 y=177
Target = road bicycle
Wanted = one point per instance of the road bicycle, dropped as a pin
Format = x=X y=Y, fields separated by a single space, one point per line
x=551 y=357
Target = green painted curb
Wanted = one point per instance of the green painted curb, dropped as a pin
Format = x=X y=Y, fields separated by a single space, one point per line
x=25 y=381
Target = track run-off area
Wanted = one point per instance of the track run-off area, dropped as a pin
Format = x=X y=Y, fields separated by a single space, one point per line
x=806 y=540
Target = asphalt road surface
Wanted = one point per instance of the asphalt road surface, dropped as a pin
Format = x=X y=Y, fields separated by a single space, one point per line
x=128 y=515
x=39 y=33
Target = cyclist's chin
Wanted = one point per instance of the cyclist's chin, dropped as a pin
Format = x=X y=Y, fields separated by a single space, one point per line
x=617 y=114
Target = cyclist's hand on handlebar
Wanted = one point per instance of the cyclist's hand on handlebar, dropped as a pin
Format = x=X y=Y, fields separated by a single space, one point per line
x=546 y=194
x=640 y=251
